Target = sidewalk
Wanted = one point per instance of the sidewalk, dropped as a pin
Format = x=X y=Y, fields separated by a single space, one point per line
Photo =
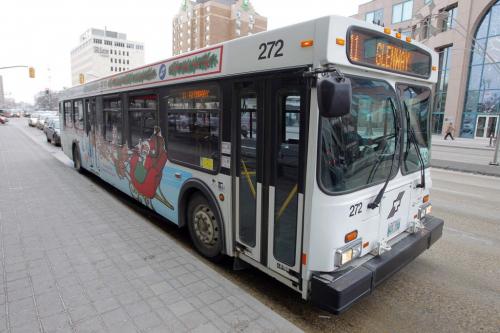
x=465 y=155
x=76 y=259
x=438 y=140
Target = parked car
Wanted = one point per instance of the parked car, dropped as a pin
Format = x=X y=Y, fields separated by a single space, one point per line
x=53 y=131
x=33 y=120
x=47 y=121
x=3 y=120
x=43 y=119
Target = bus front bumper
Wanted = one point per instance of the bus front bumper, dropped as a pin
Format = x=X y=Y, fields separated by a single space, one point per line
x=337 y=291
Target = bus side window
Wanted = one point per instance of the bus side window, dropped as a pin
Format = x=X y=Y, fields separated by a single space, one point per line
x=113 y=123
x=67 y=114
x=78 y=114
x=193 y=126
x=142 y=118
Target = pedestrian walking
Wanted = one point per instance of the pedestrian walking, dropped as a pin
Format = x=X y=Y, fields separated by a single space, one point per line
x=449 y=131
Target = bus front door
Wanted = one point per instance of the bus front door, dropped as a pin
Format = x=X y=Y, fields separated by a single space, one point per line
x=90 y=131
x=269 y=178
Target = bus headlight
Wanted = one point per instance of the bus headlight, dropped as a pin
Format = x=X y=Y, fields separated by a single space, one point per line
x=348 y=253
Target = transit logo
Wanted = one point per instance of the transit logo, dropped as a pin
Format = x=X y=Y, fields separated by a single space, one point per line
x=163 y=72
x=396 y=204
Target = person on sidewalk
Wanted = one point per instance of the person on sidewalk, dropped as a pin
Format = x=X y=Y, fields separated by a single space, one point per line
x=449 y=131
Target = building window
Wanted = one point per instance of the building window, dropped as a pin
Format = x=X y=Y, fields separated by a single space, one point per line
x=482 y=103
x=449 y=17
x=193 y=126
x=402 y=11
x=111 y=60
x=111 y=68
x=112 y=112
x=78 y=114
x=142 y=118
x=441 y=89
x=376 y=17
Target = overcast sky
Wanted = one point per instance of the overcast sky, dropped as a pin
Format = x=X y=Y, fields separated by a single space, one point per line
x=42 y=33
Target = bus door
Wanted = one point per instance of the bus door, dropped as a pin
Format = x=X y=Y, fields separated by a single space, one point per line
x=269 y=182
x=249 y=167
x=286 y=103
x=90 y=131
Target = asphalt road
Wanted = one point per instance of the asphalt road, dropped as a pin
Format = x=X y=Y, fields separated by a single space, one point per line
x=453 y=287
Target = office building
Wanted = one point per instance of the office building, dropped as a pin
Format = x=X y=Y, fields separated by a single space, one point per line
x=103 y=52
x=2 y=94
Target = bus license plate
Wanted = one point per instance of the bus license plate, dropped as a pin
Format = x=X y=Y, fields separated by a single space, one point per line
x=393 y=227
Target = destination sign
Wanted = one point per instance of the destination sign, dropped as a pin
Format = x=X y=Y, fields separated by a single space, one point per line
x=374 y=49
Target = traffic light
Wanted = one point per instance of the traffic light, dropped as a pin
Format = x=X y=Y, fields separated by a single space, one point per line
x=31 y=72
x=81 y=78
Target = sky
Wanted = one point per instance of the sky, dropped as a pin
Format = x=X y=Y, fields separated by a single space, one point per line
x=42 y=33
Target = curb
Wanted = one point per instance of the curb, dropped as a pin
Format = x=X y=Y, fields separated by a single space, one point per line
x=464 y=147
x=485 y=170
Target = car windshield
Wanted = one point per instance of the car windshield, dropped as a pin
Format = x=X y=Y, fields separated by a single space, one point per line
x=56 y=124
x=416 y=101
x=358 y=149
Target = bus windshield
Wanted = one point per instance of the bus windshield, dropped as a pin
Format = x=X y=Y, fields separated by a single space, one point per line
x=416 y=103
x=357 y=150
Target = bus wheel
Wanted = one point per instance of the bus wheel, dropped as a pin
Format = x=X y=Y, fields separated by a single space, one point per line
x=204 y=228
x=77 y=162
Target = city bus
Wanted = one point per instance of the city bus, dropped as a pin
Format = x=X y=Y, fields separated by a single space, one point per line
x=302 y=151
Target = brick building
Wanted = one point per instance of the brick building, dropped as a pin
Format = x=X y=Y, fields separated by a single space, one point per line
x=202 y=23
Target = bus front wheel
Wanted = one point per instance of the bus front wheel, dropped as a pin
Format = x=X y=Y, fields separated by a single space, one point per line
x=204 y=228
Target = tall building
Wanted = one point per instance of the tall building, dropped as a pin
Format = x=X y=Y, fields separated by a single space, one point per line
x=103 y=52
x=201 y=23
x=2 y=96
x=466 y=34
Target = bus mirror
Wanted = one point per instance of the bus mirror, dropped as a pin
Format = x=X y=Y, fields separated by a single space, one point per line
x=334 y=97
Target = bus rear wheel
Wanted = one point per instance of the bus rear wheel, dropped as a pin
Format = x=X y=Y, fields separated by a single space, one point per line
x=204 y=228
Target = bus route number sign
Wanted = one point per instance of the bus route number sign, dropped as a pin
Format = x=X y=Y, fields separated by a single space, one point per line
x=377 y=50
x=272 y=49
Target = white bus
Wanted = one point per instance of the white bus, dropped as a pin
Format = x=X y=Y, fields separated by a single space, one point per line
x=302 y=151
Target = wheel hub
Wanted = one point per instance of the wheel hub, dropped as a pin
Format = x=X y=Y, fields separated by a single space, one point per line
x=205 y=225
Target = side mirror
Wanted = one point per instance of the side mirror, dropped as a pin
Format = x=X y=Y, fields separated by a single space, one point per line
x=334 y=97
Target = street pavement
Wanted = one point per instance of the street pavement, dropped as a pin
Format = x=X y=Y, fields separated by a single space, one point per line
x=453 y=287
x=467 y=155
x=75 y=258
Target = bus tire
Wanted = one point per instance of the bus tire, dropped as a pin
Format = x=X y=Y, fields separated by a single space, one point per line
x=204 y=228
x=77 y=161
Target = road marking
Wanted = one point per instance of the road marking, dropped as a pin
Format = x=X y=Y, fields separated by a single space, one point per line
x=464 y=194
x=472 y=236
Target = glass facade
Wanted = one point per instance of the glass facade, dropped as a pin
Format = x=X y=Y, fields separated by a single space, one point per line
x=441 y=90
x=482 y=103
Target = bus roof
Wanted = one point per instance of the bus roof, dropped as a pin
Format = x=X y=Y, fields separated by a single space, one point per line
x=266 y=51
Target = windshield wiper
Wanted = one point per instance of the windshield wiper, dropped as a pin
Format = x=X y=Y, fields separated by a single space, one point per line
x=413 y=138
x=378 y=198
